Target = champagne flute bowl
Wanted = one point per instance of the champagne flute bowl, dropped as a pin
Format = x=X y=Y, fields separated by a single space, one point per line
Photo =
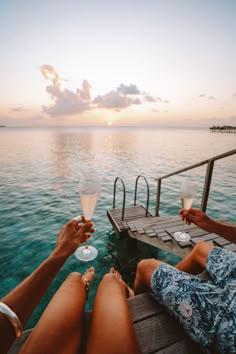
x=89 y=191
x=188 y=191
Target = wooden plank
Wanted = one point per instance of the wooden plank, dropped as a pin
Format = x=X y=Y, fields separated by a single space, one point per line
x=158 y=332
x=185 y=346
x=137 y=210
x=113 y=222
x=197 y=232
x=143 y=306
x=166 y=238
x=221 y=242
x=170 y=247
x=207 y=237
x=230 y=247
x=160 y=219
x=180 y=227
x=157 y=223
x=156 y=220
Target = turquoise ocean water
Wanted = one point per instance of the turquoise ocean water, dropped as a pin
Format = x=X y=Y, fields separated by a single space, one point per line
x=39 y=169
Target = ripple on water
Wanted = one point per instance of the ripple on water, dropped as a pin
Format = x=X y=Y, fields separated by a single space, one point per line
x=38 y=193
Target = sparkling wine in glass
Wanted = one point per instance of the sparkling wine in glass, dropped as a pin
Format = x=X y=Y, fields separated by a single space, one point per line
x=188 y=191
x=89 y=191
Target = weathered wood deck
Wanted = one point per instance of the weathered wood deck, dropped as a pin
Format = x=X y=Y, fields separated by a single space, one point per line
x=156 y=330
x=158 y=231
x=115 y=217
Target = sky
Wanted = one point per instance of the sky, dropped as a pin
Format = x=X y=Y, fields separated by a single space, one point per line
x=121 y=63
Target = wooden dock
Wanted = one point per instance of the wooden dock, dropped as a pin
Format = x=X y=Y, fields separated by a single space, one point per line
x=115 y=217
x=158 y=231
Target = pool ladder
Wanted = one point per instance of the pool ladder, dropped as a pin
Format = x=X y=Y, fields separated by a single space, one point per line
x=135 y=194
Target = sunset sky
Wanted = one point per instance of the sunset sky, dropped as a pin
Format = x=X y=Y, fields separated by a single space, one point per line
x=126 y=62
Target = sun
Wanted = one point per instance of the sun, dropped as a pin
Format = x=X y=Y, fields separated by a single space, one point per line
x=110 y=122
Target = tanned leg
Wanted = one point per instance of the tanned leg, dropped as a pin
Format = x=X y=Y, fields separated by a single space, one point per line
x=111 y=330
x=195 y=261
x=144 y=273
x=59 y=329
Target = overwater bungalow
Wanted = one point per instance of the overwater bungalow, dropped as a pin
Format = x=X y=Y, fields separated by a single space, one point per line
x=223 y=129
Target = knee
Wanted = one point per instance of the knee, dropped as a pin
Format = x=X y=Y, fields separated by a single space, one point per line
x=74 y=277
x=201 y=249
x=145 y=264
x=108 y=277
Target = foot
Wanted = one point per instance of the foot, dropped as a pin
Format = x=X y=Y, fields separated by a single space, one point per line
x=87 y=278
x=129 y=291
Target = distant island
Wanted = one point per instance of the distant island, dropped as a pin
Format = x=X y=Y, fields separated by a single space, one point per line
x=223 y=129
x=2 y=126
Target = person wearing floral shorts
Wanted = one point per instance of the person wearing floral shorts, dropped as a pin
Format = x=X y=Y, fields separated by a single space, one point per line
x=206 y=308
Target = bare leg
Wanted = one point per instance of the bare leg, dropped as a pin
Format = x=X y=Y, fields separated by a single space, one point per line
x=195 y=261
x=59 y=329
x=129 y=291
x=111 y=330
x=144 y=272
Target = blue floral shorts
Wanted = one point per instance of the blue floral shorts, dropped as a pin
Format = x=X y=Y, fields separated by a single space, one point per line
x=205 y=308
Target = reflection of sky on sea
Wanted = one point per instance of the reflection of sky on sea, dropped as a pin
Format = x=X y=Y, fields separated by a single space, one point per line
x=38 y=190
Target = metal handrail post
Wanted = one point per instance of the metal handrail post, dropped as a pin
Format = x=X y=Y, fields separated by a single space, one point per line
x=158 y=197
x=207 y=185
x=208 y=177
x=124 y=195
x=148 y=192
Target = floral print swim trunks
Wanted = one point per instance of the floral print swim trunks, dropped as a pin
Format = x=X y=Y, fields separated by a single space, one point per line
x=205 y=308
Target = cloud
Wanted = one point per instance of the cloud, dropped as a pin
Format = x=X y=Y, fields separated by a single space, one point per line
x=120 y=98
x=17 y=109
x=149 y=98
x=49 y=73
x=128 y=89
x=115 y=100
x=234 y=95
x=36 y=117
x=66 y=102
x=209 y=97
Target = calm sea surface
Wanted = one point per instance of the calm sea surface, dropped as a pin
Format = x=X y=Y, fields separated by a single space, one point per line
x=39 y=169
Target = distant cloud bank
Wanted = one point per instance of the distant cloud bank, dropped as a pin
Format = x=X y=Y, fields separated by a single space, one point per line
x=203 y=95
x=67 y=102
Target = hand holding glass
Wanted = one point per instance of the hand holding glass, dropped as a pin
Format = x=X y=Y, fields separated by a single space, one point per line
x=89 y=190
x=188 y=191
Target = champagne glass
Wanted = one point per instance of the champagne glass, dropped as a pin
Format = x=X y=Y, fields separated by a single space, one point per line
x=188 y=191
x=89 y=190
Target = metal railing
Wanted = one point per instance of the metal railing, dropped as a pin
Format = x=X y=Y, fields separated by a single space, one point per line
x=207 y=184
x=135 y=194
x=124 y=195
x=148 y=192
